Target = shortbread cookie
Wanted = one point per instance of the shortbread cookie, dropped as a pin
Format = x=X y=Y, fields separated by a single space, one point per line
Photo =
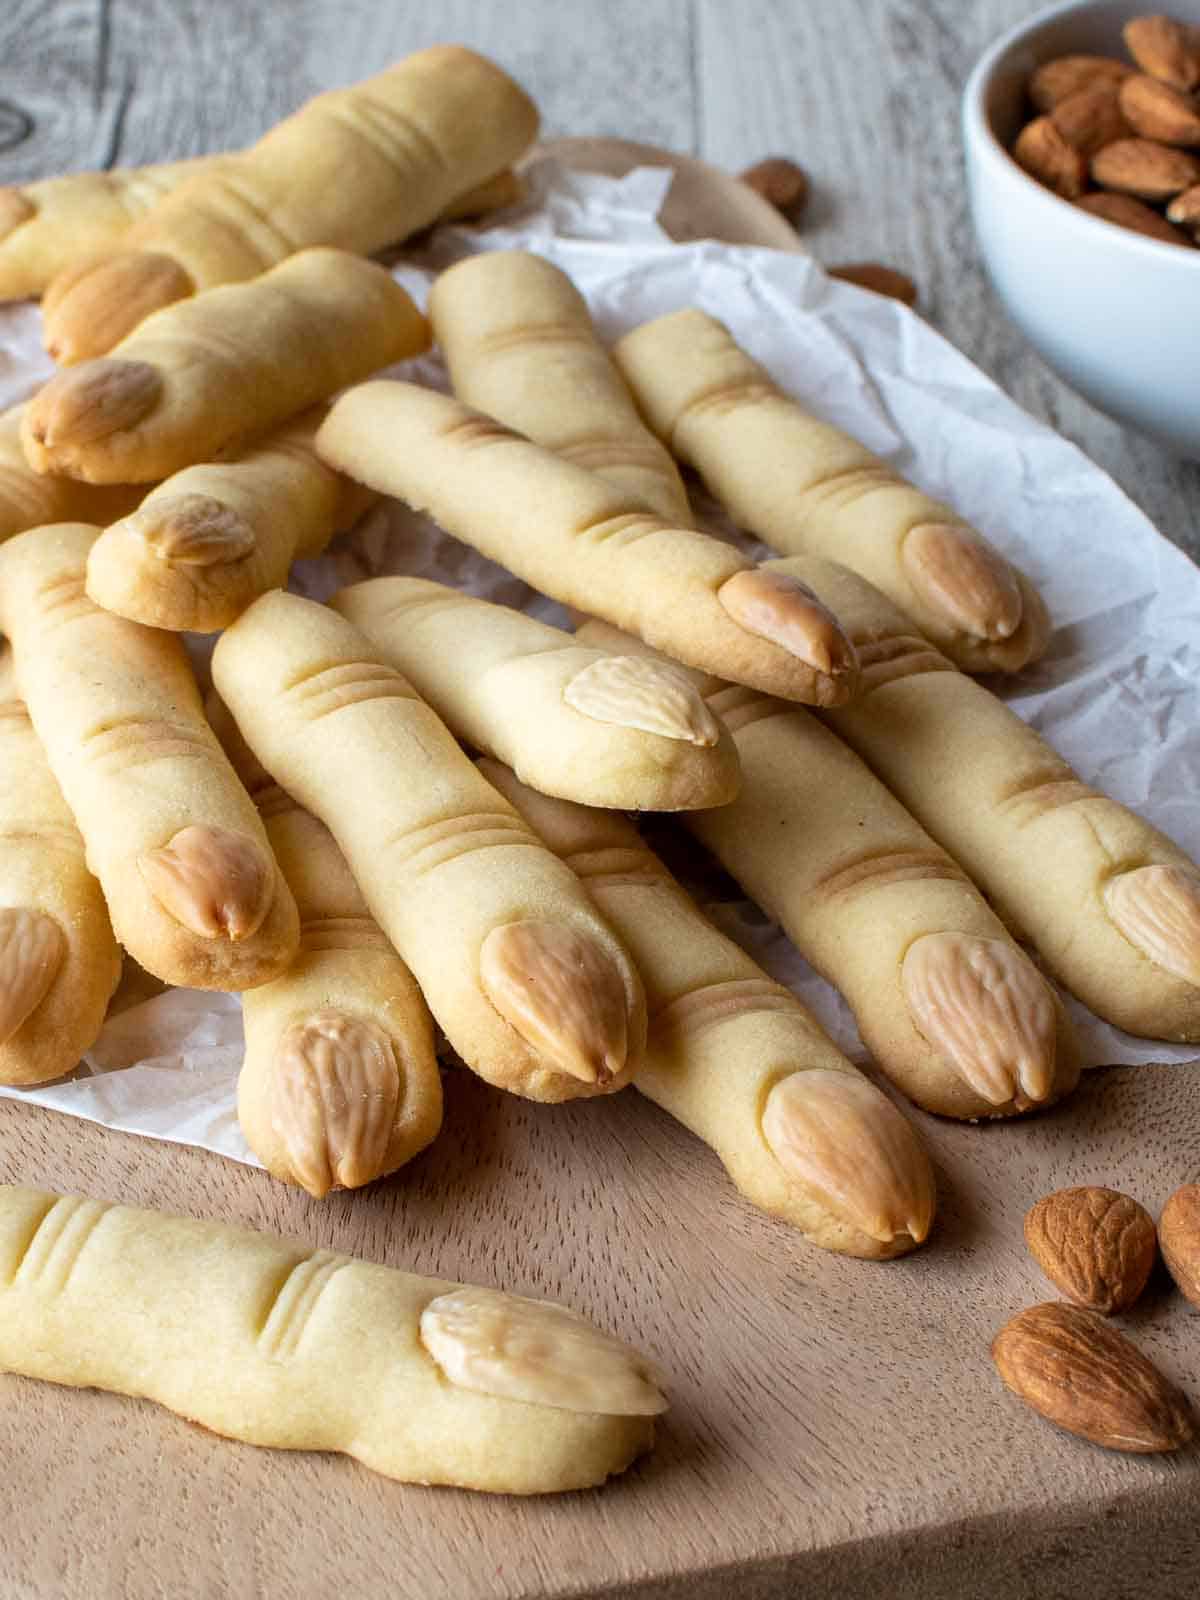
x=518 y=340
x=212 y=538
x=586 y=543
x=226 y=366
x=805 y=486
x=528 y=983
x=356 y=168
x=194 y=892
x=264 y=1340
x=738 y=1059
x=59 y=962
x=949 y=1006
x=30 y=500
x=1111 y=904
x=607 y=730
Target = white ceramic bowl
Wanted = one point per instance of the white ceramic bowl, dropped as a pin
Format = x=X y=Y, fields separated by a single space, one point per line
x=1117 y=315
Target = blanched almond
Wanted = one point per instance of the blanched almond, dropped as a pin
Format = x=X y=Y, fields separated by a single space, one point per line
x=637 y=692
x=98 y=306
x=32 y=947
x=193 y=530
x=959 y=574
x=1158 y=910
x=90 y=402
x=216 y=883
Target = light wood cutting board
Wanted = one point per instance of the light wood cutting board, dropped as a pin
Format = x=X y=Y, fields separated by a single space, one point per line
x=837 y=1428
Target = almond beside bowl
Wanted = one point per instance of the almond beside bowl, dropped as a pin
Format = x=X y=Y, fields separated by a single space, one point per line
x=1115 y=313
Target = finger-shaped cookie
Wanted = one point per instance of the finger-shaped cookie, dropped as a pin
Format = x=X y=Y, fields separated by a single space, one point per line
x=586 y=543
x=528 y=983
x=607 y=730
x=518 y=340
x=356 y=168
x=1111 y=904
x=804 y=486
x=340 y=1082
x=949 y=1006
x=193 y=890
x=212 y=538
x=737 y=1058
x=504 y=189
x=228 y=365
x=29 y=500
x=59 y=962
x=264 y=1340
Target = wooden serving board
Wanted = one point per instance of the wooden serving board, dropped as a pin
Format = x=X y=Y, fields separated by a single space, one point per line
x=836 y=1428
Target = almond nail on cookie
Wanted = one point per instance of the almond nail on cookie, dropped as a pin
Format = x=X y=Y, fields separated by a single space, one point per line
x=356 y=168
x=806 y=487
x=224 y=367
x=529 y=984
x=587 y=543
x=737 y=1058
x=606 y=730
x=193 y=890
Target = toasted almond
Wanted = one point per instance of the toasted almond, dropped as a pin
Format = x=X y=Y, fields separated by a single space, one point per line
x=32 y=947
x=1080 y=1373
x=1066 y=75
x=959 y=574
x=1179 y=1239
x=1157 y=111
x=216 y=883
x=193 y=530
x=336 y=1083
x=518 y=1349
x=1090 y=119
x=637 y=692
x=1143 y=168
x=1166 y=49
x=780 y=182
x=1096 y=1245
x=107 y=301
x=15 y=208
x=1158 y=910
x=87 y=403
x=844 y=1141
x=780 y=608
x=1133 y=214
x=878 y=278
x=1045 y=155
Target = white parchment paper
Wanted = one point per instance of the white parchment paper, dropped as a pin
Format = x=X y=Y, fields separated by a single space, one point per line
x=1118 y=693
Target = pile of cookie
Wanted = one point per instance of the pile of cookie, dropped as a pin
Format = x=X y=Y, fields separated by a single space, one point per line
x=315 y=835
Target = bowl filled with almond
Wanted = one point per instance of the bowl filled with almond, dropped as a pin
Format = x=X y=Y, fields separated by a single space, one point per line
x=1082 y=137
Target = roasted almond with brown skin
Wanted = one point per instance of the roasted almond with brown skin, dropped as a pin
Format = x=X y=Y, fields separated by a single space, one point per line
x=1047 y=156
x=1166 y=49
x=1136 y=215
x=1157 y=111
x=1078 y=1372
x=879 y=279
x=1091 y=119
x=1143 y=168
x=781 y=183
x=1185 y=208
x=1055 y=80
x=1179 y=1239
x=1096 y=1245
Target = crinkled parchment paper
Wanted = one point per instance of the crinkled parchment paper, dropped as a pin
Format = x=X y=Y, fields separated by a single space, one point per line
x=1118 y=694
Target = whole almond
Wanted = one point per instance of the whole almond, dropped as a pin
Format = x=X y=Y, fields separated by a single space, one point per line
x=1066 y=75
x=1143 y=168
x=781 y=182
x=878 y=278
x=1046 y=156
x=1081 y=1374
x=1157 y=111
x=1179 y=1236
x=1136 y=215
x=1185 y=208
x=1094 y=1244
x=1166 y=49
x=1091 y=118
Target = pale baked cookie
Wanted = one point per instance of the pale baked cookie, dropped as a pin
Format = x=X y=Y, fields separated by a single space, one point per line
x=518 y=340
x=29 y=500
x=607 y=730
x=212 y=538
x=194 y=892
x=586 y=543
x=59 y=962
x=738 y=1059
x=264 y=1340
x=805 y=486
x=227 y=366
x=356 y=168
x=1111 y=904
x=340 y=1082
x=949 y=1006
x=529 y=984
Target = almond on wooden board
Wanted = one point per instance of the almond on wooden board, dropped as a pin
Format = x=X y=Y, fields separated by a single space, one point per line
x=1048 y=157
x=1179 y=1238
x=781 y=182
x=1144 y=168
x=1091 y=118
x=878 y=278
x=1078 y=1372
x=1165 y=49
x=1127 y=212
x=1066 y=75
x=1157 y=111
x=1096 y=1245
